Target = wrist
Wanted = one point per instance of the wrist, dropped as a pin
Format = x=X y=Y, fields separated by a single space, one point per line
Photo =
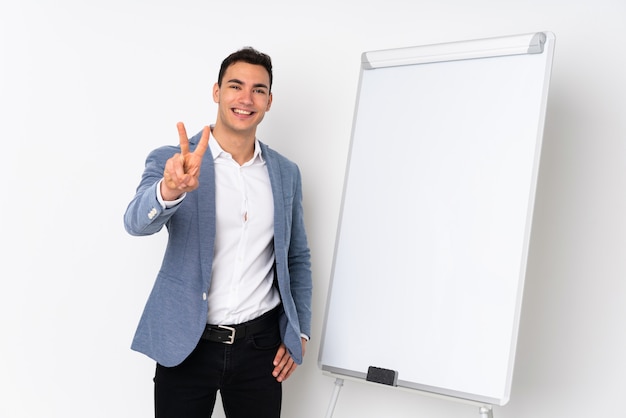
x=167 y=194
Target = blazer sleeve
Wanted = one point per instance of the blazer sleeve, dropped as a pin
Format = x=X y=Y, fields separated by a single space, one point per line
x=145 y=215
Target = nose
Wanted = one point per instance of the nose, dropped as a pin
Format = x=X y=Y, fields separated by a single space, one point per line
x=246 y=97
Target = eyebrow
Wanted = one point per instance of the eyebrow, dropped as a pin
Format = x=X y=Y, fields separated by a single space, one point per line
x=237 y=81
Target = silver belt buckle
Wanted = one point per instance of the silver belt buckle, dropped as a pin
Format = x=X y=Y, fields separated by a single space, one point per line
x=231 y=337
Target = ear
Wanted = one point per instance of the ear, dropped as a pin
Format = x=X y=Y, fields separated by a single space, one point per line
x=269 y=102
x=216 y=93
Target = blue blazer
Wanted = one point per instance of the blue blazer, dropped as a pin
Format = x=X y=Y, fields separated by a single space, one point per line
x=176 y=311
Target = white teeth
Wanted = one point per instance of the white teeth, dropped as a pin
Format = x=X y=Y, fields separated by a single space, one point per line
x=242 y=112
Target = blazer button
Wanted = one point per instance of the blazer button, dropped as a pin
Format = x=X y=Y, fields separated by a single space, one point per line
x=204 y=296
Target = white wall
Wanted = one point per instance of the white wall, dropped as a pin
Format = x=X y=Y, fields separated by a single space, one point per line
x=88 y=88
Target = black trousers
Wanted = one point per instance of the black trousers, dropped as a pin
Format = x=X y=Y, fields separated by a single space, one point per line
x=242 y=372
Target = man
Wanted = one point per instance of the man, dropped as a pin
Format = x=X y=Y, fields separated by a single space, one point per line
x=230 y=309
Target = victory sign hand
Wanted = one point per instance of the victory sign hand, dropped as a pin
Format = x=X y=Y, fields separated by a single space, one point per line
x=183 y=169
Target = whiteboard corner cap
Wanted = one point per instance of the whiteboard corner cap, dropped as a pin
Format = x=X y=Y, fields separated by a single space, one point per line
x=365 y=62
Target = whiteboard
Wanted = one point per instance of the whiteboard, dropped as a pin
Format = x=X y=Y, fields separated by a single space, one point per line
x=431 y=249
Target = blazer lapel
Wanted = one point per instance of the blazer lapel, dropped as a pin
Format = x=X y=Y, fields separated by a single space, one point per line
x=206 y=213
x=273 y=168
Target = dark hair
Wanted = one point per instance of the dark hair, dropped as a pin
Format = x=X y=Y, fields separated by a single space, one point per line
x=249 y=55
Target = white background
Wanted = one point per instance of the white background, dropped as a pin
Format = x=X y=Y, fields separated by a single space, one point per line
x=87 y=89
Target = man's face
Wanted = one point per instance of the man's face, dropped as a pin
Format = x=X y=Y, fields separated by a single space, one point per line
x=243 y=98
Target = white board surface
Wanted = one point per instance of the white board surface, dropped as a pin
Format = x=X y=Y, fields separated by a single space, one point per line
x=435 y=222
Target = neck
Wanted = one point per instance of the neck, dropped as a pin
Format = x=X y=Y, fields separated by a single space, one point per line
x=239 y=145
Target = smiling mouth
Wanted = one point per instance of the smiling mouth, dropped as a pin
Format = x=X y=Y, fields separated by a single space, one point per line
x=242 y=112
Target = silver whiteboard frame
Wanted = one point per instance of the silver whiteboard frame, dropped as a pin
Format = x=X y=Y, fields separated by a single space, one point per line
x=531 y=43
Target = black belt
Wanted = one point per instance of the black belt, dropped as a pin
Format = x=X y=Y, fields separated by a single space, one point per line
x=228 y=334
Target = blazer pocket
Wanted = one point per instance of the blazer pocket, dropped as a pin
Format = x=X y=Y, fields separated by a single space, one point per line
x=170 y=278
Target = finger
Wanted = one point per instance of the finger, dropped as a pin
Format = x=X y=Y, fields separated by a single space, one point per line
x=280 y=354
x=286 y=371
x=183 y=139
x=174 y=172
x=204 y=142
x=284 y=364
x=178 y=165
x=280 y=360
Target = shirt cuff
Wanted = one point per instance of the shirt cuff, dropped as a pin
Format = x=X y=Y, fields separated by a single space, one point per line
x=166 y=204
x=306 y=337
